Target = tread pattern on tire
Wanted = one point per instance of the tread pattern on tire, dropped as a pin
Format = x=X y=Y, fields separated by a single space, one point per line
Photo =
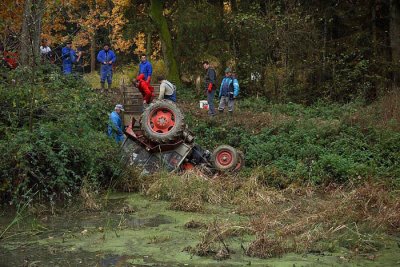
x=234 y=155
x=174 y=133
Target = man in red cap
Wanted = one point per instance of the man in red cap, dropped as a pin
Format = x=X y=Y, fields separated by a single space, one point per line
x=145 y=89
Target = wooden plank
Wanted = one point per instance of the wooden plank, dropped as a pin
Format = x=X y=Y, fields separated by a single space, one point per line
x=132 y=100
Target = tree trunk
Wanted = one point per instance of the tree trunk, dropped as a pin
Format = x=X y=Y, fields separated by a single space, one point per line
x=31 y=31
x=25 y=38
x=324 y=45
x=374 y=29
x=156 y=14
x=234 y=6
x=93 y=53
x=148 y=44
x=395 y=40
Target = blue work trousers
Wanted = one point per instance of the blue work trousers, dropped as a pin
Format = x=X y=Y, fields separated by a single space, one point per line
x=67 y=68
x=106 y=73
x=210 y=100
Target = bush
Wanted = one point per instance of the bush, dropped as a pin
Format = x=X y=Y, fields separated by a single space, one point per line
x=53 y=133
x=312 y=144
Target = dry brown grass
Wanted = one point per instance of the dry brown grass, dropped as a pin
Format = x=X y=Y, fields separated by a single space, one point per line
x=191 y=191
x=89 y=199
x=309 y=217
x=214 y=241
x=242 y=118
x=385 y=113
x=132 y=180
x=297 y=219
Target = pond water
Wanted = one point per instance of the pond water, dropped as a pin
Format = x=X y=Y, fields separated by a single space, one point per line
x=131 y=230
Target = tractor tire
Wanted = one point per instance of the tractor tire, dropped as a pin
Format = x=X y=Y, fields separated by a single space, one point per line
x=224 y=158
x=162 y=121
x=241 y=161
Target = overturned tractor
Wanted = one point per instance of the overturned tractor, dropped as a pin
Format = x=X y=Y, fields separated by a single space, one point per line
x=161 y=140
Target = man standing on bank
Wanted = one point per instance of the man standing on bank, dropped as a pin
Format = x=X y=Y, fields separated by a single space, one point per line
x=210 y=87
x=228 y=91
x=107 y=58
x=145 y=68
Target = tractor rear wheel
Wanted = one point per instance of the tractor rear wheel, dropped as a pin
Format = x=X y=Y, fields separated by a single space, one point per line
x=224 y=158
x=162 y=121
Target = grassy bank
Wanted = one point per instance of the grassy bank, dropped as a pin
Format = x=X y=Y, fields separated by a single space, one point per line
x=320 y=144
x=124 y=74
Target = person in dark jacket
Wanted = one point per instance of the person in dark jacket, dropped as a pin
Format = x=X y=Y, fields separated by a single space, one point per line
x=209 y=82
x=228 y=91
x=145 y=68
x=115 y=127
x=107 y=58
x=145 y=89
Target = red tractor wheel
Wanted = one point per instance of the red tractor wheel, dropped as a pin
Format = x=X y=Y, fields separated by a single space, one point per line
x=162 y=121
x=224 y=158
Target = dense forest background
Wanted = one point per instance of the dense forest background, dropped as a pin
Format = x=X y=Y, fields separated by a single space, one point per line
x=285 y=50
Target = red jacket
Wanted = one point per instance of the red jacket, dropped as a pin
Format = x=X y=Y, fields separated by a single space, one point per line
x=11 y=59
x=145 y=88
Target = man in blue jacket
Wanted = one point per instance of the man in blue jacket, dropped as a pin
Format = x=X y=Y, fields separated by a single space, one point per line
x=228 y=91
x=115 y=127
x=107 y=58
x=69 y=57
x=145 y=68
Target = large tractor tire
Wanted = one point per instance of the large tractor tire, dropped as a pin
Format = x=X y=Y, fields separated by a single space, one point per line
x=224 y=158
x=162 y=121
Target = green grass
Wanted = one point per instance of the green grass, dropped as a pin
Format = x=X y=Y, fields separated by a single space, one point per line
x=316 y=144
x=125 y=74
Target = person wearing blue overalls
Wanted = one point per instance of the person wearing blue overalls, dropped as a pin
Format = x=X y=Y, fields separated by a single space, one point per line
x=106 y=57
x=167 y=89
x=68 y=57
x=115 y=128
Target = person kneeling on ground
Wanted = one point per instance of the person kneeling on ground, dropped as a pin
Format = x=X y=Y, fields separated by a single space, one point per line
x=167 y=89
x=145 y=89
x=228 y=91
x=115 y=127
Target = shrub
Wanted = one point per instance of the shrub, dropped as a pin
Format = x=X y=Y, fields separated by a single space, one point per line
x=312 y=144
x=53 y=136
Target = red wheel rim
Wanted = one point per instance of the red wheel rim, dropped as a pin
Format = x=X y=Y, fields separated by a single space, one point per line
x=224 y=158
x=161 y=120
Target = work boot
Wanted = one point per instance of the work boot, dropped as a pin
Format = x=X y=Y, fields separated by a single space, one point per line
x=109 y=86
x=102 y=85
